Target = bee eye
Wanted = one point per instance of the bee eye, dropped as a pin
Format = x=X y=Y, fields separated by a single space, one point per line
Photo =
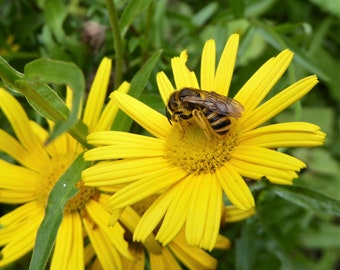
x=186 y=92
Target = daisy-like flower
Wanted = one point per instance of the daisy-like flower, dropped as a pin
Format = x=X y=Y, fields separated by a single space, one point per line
x=29 y=182
x=190 y=171
x=177 y=252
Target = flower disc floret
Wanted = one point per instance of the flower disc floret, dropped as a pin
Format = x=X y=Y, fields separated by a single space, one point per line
x=188 y=147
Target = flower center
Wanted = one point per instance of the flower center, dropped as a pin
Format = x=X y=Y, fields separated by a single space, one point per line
x=51 y=175
x=188 y=147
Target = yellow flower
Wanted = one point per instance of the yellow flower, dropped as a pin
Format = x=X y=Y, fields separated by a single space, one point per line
x=38 y=167
x=167 y=257
x=191 y=172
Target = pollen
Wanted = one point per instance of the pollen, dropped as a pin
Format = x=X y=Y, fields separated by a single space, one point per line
x=51 y=174
x=188 y=147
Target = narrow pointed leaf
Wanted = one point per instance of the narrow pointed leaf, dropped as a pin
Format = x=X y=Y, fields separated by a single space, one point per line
x=132 y=10
x=280 y=43
x=8 y=74
x=62 y=192
x=308 y=198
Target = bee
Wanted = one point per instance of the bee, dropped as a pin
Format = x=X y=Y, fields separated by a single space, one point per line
x=210 y=110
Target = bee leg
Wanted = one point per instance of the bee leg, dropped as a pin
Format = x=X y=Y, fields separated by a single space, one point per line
x=181 y=129
x=203 y=123
x=178 y=120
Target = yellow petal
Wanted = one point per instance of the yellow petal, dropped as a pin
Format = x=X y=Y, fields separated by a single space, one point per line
x=122 y=151
x=69 y=241
x=108 y=256
x=234 y=187
x=16 y=196
x=114 y=233
x=130 y=219
x=22 y=127
x=208 y=66
x=258 y=86
x=204 y=212
x=147 y=186
x=258 y=171
x=213 y=218
x=164 y=261
x=234 y=214
x=97 y=94
x=290 y=134
x=18 y=232
x=267 y=158
x=182 y=75
x=122 y=171
x=191 y=257
x=152 y=217
x=165 y=86
x=222 y=242
x=119 y=138
x=225 y=68
x=17 y=177
x=176 y=214
x=110 y=111
x=62 y=145
x=16 y=150
x=154 y=122
x=278 y=103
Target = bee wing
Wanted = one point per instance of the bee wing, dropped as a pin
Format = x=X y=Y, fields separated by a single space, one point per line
x=229 y=107
x=217 y=103
x=223 y=105
x=206 y=99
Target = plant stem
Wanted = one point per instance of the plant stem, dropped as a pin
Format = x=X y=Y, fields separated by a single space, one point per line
x=117 y=42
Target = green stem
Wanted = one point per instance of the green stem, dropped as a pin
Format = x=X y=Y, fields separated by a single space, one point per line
x=117 y=41
x=147 y=36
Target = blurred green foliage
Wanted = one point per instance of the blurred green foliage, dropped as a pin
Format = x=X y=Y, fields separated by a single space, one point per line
x=284 y=234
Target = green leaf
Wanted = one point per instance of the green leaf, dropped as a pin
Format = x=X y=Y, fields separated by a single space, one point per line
x=132 y=10
x=258 y=8
x=326 y=236
x=306 y=61
x=8 y=74
x=43 y=99
x=52 y=47
x=280 y=43
x=237 y=7
x=331 y=6
x=275 y=242
x=246 y=246
x=122 y=121
x=62 y=192
x=55 y=14
x=308 y=199
x=201 y=17
x=58 y=72
x=320 y=160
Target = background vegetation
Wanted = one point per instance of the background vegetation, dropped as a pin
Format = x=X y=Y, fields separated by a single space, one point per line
x=292 y=229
